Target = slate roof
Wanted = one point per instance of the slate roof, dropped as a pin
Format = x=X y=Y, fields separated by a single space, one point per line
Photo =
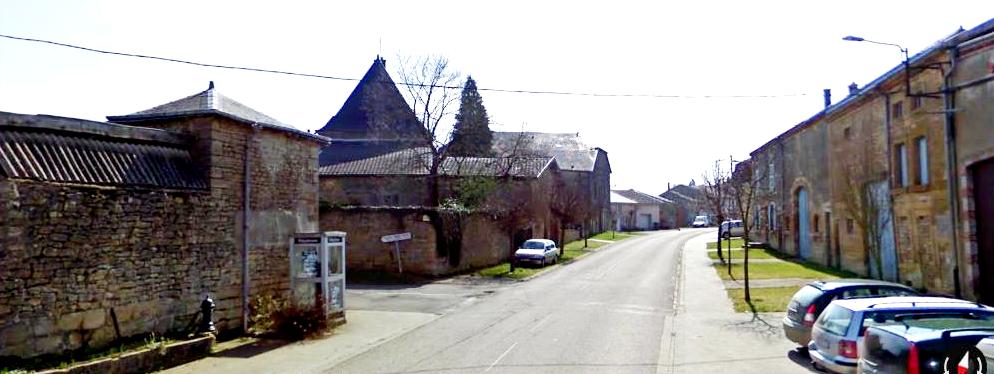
x=682 y=192
x=339 y=151
x=70 y=150
x=642 y=197
x=212 y=102
x=568 y=149
x=375 y=110
x=415 y=162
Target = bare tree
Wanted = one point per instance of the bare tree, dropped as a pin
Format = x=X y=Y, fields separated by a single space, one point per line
x=715 y=197
x=744 y=186
x=432 y=89
x=866 y=200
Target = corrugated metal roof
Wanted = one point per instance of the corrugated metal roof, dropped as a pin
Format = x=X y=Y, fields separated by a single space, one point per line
x=57 y=156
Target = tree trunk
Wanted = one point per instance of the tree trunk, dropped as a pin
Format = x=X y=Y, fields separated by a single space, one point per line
x=510 y=260
x=583 y=232
x=745 y=263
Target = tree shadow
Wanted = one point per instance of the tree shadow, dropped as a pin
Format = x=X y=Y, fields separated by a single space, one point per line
x=252 y=349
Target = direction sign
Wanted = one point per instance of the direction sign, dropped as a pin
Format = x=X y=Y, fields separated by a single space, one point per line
x=396 y=237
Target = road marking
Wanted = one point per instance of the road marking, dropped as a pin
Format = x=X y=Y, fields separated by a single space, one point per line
x=501 y=357
x=539 y=324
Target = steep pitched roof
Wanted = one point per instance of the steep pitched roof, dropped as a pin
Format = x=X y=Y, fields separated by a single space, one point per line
x=568 y=149
x=375 y=110
x=641 y=197
x=210 y=101
x=70 y=150
x=415 y=161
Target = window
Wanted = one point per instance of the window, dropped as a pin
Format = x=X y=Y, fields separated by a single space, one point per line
x=901 y=153
x=916 y=102
x=850 y=226
x=847 y=133
x=921 y=149
x=816 y=223
x=897 y=110
x=772 y=173
x=835 y=319
x=771 y=216
x=856 y=292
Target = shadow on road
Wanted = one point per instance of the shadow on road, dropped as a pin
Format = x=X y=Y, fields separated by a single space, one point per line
x=252 y=349
x=802 y=360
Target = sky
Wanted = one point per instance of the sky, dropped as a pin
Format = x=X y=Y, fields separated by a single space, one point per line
x=788 y=51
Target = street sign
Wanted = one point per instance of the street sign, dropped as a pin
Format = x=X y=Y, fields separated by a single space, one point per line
x=396 y=237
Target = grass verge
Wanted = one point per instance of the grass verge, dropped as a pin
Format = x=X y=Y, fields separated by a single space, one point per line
x=764 y=300
x=571 y=252
x=613 y=235
x=754 y=253
x=736 y=243
x=784 y=269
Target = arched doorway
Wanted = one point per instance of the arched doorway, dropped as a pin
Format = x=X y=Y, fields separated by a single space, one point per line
x=983 y=198
x=803 y=221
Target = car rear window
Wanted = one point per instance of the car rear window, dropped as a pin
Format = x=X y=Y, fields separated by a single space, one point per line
x=835 y=319
x=806 y=295
x=887 y=349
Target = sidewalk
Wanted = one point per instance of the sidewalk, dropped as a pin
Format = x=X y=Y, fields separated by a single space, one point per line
x=365 y=329
x=708 y=336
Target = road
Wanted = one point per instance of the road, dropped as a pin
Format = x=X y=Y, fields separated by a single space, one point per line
x=604 y=314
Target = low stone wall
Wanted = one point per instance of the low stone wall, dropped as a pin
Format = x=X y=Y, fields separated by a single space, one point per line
x=483 y=242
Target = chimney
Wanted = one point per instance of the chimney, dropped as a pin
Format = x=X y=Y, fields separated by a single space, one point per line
x=853 y=89
x=667 y=186
x=828 y=97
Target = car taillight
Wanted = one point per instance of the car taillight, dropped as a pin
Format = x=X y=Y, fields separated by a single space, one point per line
x=913 y=360
x=847 y=348
x=809 y=316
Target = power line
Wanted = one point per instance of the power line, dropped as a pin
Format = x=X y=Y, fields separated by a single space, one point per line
x=308 y=75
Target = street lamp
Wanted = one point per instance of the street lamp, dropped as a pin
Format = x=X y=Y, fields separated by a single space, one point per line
x=907 y=62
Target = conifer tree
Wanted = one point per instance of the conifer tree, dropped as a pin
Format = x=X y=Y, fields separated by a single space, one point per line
x=471 y=135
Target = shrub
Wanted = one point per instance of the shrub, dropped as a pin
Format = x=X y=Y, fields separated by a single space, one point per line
x=280 y=317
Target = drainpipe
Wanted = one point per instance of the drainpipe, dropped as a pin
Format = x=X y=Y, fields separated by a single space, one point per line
x=246 y=218
x=952 y=184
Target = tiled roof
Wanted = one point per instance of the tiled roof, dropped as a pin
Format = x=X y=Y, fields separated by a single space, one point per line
x=211 y=102
x=375 y=111
x=616 y=198
x=642 y=197
x=416 y=161
x=68 y=150
x=568 y=149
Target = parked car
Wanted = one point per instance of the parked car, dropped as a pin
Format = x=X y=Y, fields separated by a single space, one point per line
x=808 y=303
x=537 y=251
x=701 y=221
x=838 y=333
x=926 y=344
x=732 y=228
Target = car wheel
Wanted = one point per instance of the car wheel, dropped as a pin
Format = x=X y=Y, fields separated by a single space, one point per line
x=543 y=262
x=726 y=236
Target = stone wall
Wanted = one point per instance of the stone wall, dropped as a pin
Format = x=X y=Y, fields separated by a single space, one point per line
x=72 y=254
x=483 y=242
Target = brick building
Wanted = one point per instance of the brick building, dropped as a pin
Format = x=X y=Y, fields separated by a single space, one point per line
x=132 y=223
x=885 y=205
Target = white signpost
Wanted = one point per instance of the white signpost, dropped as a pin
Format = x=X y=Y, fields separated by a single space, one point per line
x=396 y=239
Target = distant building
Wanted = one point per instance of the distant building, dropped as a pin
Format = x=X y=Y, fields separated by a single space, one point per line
x=635 y=210
x=689 y=202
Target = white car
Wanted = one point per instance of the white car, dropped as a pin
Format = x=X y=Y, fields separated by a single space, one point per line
x=732 y=228
x=537 y=251
x=701 y=221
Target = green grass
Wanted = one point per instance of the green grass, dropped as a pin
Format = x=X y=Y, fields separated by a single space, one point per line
x=736 y=243
x=782 y=269
x=754 y=253
x=764 y=300
x=571 y=252
x=613 y=235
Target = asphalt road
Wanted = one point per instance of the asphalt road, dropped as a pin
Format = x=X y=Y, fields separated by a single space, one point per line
x=605 y=314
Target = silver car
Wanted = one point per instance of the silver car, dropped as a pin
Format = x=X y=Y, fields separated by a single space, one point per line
x=838 y=333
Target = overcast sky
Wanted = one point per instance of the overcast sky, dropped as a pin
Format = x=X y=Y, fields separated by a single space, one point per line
x=791 y=50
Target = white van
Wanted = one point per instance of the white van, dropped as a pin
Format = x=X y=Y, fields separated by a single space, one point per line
x=701 y=221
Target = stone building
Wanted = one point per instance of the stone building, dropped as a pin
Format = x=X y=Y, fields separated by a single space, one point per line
x=688 y=201
x=130 y=224
x=636 y=210
x=586 y=173
x=880 y=182
x=379 y=163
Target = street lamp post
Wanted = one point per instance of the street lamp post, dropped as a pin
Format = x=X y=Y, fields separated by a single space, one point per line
x=906 y=63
